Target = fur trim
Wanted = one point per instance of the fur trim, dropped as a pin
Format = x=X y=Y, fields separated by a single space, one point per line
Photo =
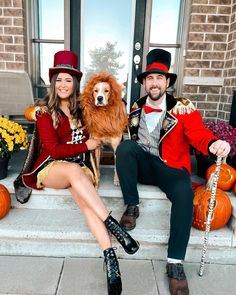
x=38 y=109
x=183 y=106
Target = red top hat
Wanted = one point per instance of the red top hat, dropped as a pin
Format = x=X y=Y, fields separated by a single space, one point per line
x=65 y=61
x=158 y=61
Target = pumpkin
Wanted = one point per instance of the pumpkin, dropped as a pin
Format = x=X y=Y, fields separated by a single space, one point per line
x=234 y=188
x=29 y=113
x=5 y=201
x=227 y=176
x=222 y=209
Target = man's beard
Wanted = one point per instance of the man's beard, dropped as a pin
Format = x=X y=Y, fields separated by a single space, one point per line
x=157 y=96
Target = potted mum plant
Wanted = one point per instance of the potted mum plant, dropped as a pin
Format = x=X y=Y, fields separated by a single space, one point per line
x=12 y=138
x=223 y=131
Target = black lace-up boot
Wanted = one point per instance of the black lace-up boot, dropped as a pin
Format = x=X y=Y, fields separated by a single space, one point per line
x=127 y=242
x=114 y=284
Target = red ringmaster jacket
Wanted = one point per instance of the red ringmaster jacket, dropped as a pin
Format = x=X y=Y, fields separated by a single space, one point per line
x=54 y=143
x=182 y=126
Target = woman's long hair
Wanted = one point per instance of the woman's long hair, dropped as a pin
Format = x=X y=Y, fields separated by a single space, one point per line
x=52 y=101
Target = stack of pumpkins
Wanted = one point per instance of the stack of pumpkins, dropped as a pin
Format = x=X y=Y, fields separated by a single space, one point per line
x=223 y=207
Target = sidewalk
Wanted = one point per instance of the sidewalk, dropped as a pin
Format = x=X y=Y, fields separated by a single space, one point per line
x=85 y=276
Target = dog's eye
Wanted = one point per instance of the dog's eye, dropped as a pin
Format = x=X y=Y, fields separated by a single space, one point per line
x=106 y=90
x=95 y=90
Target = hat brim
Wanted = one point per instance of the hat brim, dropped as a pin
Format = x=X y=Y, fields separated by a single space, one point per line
x=172 y=76
x=72 y=72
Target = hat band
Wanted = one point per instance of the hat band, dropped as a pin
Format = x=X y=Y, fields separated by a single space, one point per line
x=65 y=66
x=157 y=65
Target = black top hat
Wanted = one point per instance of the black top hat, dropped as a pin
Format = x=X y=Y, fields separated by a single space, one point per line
x=158 y=61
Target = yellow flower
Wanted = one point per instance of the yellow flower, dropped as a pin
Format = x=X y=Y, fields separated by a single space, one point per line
x=12 y=137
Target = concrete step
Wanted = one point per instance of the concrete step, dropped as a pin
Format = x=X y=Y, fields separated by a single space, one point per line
x=61 y=199
x=56 y=232
x=50 y=224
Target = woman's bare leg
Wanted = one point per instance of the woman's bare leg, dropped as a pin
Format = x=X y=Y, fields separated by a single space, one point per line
x=70 y=175
x=95 y=224
x=66 y=175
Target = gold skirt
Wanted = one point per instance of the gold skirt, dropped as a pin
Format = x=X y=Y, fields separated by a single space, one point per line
x=44 y=172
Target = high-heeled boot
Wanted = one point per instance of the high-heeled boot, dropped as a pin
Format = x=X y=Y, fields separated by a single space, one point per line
x=127 y=242
x=114 y=284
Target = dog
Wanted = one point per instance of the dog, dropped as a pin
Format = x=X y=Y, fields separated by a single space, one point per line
x=104 y=114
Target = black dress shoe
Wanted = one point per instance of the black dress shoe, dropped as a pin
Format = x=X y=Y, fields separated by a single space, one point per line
x=128 y=220
x=178 y=284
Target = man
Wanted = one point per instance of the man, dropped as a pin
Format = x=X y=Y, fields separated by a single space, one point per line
x=161 y=129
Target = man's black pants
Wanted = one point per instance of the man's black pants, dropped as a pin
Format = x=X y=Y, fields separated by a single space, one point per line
x=135 y=165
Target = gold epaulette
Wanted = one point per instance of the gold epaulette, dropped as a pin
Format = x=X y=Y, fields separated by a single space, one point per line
x=42 y=109
x=183 y=106
x=134 y=107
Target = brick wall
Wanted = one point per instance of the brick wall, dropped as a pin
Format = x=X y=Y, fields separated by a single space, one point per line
x=229 y=68
x=210 y=64
x=12 y=35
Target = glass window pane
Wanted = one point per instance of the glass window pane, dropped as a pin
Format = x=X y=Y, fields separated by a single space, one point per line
x=107 y=37
x=51 y=19
x=41 y=91
x=47 y=52
x=164 y=21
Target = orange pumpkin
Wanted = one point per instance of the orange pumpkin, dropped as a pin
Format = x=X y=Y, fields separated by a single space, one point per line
x=227 y=176
x=222 y=209
x=29 y=113
x=5 y=201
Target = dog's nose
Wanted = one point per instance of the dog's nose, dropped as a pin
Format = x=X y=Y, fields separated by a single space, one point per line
x=100 y=98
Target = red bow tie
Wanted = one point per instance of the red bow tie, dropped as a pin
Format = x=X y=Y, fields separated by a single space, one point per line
x=149 y=109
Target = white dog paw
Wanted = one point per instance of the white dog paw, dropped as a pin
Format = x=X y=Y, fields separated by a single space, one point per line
x=116 y=182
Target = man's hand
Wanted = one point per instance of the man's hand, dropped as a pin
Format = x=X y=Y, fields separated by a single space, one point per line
x=220 y=148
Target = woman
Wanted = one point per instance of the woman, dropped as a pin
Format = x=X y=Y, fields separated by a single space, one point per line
x=63 y=160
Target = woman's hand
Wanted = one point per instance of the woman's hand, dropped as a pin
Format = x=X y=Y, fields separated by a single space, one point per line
x=93 y=143
x=220 y=148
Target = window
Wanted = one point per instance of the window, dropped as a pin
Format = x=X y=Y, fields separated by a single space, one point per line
x=50 y=20
x=166 y=29
x=47 y=38
x=106 y=43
